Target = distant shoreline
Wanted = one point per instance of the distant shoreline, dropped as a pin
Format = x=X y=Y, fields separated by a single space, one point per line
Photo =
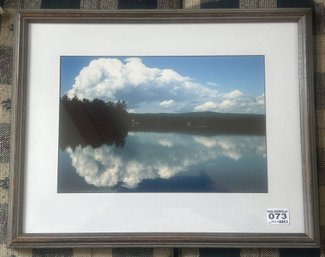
x=195 y=122
x=96 y=123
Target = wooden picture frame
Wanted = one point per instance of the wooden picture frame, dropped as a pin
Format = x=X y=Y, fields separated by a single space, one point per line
x=233 y=32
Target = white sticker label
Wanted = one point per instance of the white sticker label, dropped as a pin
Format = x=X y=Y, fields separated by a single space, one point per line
x=277 y=216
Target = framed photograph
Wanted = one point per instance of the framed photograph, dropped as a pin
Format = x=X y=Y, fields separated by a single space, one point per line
x=163 y=129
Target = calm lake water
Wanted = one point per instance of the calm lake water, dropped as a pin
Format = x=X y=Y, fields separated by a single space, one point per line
x=167 y=162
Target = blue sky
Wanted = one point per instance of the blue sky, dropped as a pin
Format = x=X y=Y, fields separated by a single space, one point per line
x=168 y=84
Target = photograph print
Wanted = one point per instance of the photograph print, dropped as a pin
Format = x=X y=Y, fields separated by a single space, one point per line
x=162 y=124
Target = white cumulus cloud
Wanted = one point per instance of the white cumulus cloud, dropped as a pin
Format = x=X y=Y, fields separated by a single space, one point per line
x=150 y=89
x=208 y=106
x=227 y=104
x=233 y=94
x=233 y=102
x=166 y=103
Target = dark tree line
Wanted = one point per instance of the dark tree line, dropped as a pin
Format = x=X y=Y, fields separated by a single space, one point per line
x=84 y=122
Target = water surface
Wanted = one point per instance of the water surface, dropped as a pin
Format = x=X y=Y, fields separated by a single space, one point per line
x=167 y=162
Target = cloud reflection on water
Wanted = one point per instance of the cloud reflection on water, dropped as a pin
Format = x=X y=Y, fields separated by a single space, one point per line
x=160 y=155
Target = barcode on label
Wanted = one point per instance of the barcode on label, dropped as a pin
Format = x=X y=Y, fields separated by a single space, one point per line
x=277 y=216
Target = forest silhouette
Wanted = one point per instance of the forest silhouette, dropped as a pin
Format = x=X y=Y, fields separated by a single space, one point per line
x=95 y=123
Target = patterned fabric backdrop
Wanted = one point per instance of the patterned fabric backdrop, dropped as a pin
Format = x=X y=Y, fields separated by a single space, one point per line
x=7 y=10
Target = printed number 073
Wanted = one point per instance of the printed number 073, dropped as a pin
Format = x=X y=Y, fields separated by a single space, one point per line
x=277 y=216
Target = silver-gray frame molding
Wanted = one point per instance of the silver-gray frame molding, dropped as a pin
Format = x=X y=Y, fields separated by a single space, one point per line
x=303 y=17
